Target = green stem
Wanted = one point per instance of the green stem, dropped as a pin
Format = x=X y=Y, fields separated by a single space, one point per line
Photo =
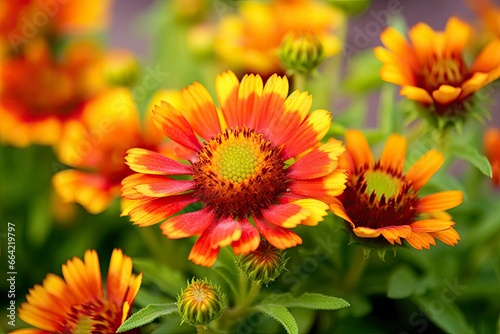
x=300 y=82
x=230 y=317
x=356 y=269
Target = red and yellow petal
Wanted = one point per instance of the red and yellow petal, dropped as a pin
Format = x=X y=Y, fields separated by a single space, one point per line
x=398 y=44
x=92 y=191
x=149 y=162
x=152 y=211
x=286 y=215
x=249 y=239
x=318 y=162
x=119 y=275
x=390 y=233
x=273 y=97
x=431 y=225
x=227 y=86
x=248 y=107
x=187 y=224
x=202 y=252
x=225 y=232
x=440 y=201
x=200 y=111
x=422 y=38
x=316 y=210
x=308 y=134
x=175 y=126
x=424 y=169
x=338 y=209
x=279 y=237
x=393 y=156
x=323 y=188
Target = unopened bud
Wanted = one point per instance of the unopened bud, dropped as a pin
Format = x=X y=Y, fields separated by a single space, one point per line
x=120 y=68
x=301 y=52
x=264 y=264
x=201 y=303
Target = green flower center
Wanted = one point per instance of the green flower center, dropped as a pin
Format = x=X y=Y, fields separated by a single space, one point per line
x=238 y=161
x=84 y=325
x=382 y=184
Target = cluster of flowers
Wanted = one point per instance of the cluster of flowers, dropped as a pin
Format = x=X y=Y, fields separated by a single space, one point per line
x=258 y=161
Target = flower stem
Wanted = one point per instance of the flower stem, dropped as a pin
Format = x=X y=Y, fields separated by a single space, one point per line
x=356 y=269
x=300 y=82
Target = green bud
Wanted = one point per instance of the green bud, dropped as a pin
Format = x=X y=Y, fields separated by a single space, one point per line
x=351 y=7
x=120 y=68
x=264 y=264
x=301 y=52
x=201 y=303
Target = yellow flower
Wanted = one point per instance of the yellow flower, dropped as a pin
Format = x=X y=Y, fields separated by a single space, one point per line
x=431 y=69
x=249 y=41
x=382 y=201
x=77 y=303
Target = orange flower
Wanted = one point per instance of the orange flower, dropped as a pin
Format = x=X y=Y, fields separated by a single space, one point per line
x=432 y=70
x=250 y=41
x=381 y=200
x=97 y=145
x=23 y=20
x=77 y=304
x=259 y=167
x=491 y=144
x=39 y=95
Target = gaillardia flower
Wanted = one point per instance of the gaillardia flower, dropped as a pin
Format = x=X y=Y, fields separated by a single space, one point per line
x=382 y=201
x=491 y=142
x=432 y=70
x=77 y=304
x=250 y=40
x=96 y=147
x=256 y=165
x=40 y=94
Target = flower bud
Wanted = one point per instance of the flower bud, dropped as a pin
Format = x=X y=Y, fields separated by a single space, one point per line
x=201 y=303
x=264 y=264
x=120 y=68
x=301 y=52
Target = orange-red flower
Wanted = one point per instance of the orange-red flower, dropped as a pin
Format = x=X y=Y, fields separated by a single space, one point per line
x=491 y=144
x=256 y=165
x=39 y=95
x=431 y=69
x=22 y=21
x=77 y=303
x=381 y=200
x=97 y=144
x=250 y=40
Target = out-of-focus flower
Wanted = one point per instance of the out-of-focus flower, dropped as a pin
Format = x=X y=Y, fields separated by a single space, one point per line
x=39 y=95
x=491 y=146
x=264 y=264
x=120 y=68
x=22 y=21
x=259 y=164
x=97 y=145
x=432 y=70
x=489 y=13
x=250 y=40
x=201 y=303
x=190 y=10
x=301 y=52
x=381 y=200
x=76 y=303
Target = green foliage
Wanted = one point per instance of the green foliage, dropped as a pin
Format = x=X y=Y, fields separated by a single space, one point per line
x=281 y=314
x=147 y=315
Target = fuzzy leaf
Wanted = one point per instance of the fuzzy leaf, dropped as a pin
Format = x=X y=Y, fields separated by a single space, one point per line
x=281 y=314
x=402 y=283
x=313 y=301
x=147 y=315
x=472 y=155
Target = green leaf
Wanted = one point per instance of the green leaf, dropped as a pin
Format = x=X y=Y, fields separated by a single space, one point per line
x=313 y=301
x=168 y=280
x=443 y=312
x=281 y=314
x=39 y=219
x=402 y=283
x=472 y=155
x=147 y=315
